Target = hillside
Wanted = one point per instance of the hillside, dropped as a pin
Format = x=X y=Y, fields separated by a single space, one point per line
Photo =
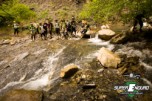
x=55 y=8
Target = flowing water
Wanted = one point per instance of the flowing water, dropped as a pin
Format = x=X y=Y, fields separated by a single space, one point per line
x=36 y=65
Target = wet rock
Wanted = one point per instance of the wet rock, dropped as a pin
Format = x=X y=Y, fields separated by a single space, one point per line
x=22 y=95
x=120 y=38
x=106 y=34
x=108 y=58
x=68 y=71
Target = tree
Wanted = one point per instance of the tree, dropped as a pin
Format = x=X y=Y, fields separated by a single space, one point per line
x=13 y=10
x=105 y=10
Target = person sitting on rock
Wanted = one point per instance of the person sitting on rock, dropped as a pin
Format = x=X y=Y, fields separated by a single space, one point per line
x=85 y=27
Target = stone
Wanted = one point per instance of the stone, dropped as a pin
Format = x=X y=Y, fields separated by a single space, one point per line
x=68 y=71
x=108 y=59
x=22 y=95
x=100 y=70
x=120 y=38
x=106 y=34
x=122 y=70
x=5 y=42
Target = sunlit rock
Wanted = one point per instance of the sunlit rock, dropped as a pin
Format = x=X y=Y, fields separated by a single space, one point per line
x=106 y=34
x=5 y=42
x=68 y=71
x=108 y=58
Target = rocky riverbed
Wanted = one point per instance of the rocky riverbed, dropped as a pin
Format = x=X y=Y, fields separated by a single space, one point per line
x=32 y=70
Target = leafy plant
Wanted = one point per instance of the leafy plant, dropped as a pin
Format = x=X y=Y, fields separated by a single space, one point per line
x=104 y=10
x=13 y=10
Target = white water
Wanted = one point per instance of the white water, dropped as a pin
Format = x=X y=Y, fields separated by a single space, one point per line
x=97 y=41
x=42 y=76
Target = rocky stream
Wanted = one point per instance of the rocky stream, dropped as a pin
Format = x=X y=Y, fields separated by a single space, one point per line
x=31 y=70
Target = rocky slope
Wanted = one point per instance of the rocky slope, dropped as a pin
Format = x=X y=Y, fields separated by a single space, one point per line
x=56 y=8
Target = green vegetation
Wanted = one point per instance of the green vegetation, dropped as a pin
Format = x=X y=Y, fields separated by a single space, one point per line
x=43 y=14
x=105 y=10
x=62 y=13
x=14 y=10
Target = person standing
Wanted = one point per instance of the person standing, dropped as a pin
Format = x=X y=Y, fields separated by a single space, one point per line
x=64 y=29
x=16 y=28
x=41 y=31
x=50 y=28
x=32 y=31
x=138 y=20
x=45 y=26
x=73 y=26
x=57 y=28
x=69 y=29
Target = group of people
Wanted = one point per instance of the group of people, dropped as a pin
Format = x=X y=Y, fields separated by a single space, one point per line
x=62 y=29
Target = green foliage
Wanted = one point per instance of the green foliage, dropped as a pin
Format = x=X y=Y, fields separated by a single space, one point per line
x=105 y=10
x=43 y=14
x=62 y=14
x=13 y=10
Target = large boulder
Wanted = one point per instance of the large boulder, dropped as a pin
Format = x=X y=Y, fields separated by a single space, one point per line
x=106 y=34
x=68 y=71
x=108 y=59
x=22 y=95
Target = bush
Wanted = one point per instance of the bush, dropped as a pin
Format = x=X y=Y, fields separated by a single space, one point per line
x=13 y=10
